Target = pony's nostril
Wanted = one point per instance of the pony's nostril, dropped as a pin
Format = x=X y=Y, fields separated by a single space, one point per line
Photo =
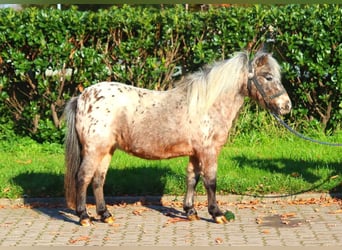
x=288 y=106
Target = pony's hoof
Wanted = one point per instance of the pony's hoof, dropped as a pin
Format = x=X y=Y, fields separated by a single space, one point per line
x=108 y=220
x=221 y=220
x=193 y=217
x=85 y=222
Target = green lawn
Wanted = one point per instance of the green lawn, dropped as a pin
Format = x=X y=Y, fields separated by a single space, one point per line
x=254 y=164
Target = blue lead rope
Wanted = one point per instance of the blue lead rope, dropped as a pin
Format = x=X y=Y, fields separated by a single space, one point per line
x=301 y=135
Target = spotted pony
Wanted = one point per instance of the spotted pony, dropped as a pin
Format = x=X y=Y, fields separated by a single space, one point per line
x=192 y=119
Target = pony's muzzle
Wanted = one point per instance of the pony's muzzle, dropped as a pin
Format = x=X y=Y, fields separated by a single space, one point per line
x=284 y=107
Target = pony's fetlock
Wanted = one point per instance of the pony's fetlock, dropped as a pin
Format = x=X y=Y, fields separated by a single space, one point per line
x=191 y=214
x=218 y=216
x=85 y=222
x=215 y=212
x=85 y=219
x=107 y=217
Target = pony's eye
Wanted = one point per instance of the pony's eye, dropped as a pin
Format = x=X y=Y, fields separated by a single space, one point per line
x=269 y=78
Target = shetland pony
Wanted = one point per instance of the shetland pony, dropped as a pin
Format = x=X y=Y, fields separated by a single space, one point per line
x=193 y=119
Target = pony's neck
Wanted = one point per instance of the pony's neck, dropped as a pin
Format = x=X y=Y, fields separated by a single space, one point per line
x=222 y=78
x=230 y=102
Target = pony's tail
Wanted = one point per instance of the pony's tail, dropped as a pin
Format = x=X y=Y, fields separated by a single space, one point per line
x=72 y=154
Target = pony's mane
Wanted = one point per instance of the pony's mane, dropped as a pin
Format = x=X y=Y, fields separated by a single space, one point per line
x=205 y=86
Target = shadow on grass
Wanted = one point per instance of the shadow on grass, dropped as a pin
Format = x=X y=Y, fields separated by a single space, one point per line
x=131 y=181
x=303 y=169
x=141 y=181
x=122 y=185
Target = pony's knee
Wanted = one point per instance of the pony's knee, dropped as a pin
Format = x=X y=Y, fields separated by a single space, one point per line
x=82 y=183
x=98 y=181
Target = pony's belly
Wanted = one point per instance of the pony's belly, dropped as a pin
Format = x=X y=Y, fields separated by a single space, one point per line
x=153 y=152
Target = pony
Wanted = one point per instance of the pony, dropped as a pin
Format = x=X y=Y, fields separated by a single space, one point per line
x=191 y=119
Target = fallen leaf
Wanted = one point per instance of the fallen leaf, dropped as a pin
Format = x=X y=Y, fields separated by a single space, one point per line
x=272 y=211
x=258 y=220
x=177 y=204
x=24 y=162
x=287 y=215
x=286 y=222
x=175 y=220
x=165 y=203
x=139 y=211
x=114 y=225
x=138 y=203
x=265 y=231
x=81 y=238
x=339 y=211
x=7 y=224
x=122 y=204
x=218 y=240
x=295 y=174
x=80 y=87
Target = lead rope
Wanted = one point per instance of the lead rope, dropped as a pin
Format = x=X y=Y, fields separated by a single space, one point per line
x=301 y=135
x=252 y=78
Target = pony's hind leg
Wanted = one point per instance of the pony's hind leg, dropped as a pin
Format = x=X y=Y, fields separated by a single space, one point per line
x=84 y=177
x=192 y=180
x=98 y=182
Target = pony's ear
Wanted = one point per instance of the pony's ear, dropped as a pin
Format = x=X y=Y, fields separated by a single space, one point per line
x=261 y=58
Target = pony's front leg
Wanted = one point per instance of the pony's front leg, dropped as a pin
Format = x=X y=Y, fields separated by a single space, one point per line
x=192 y=180
x=209 y=179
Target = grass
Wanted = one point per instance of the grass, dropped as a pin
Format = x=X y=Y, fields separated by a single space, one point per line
x=252 y=163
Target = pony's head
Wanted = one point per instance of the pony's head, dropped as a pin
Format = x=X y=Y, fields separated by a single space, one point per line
x=264 y=84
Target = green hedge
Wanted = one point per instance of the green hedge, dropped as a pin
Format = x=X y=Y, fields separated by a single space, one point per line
x=47 y=56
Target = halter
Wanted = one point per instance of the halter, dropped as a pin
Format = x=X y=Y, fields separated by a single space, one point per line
x=252 y=78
